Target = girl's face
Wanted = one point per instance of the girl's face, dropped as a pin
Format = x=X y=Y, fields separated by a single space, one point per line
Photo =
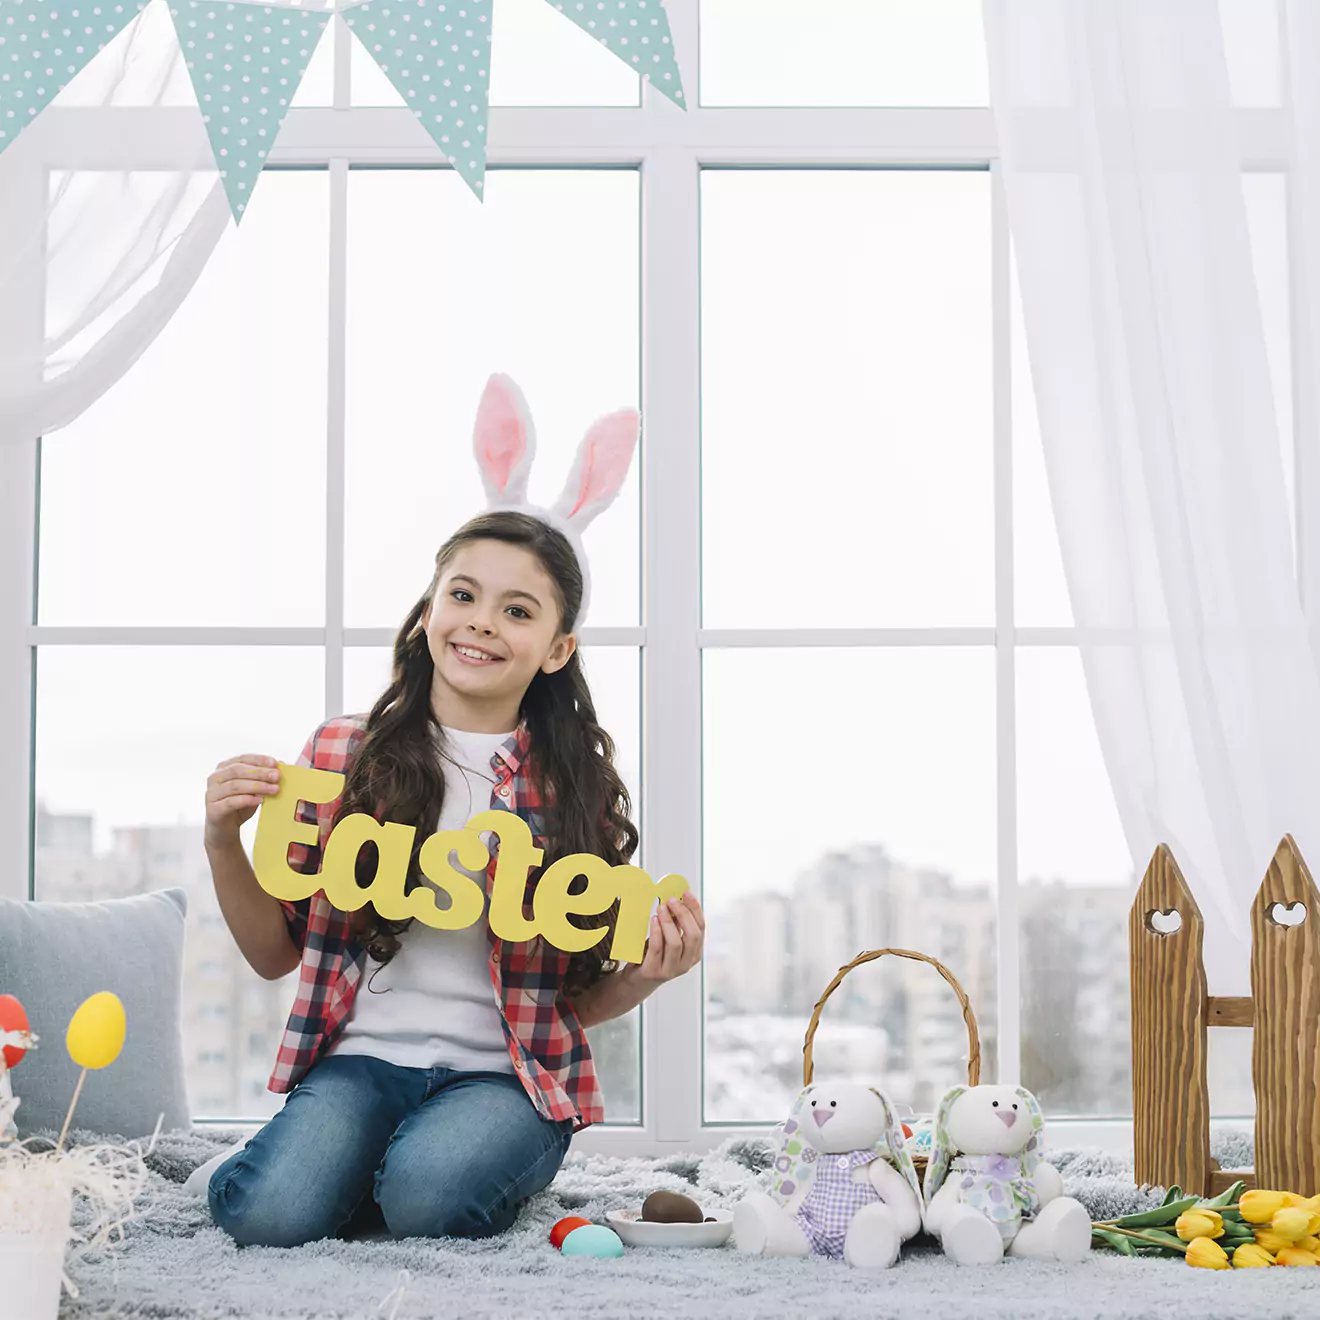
x=493 y=623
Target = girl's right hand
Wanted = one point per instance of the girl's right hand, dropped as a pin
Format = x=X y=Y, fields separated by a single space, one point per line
x=235 y=789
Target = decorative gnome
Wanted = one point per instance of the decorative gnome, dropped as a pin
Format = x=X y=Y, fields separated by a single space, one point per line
x=842 y=1186
x=987 y=1189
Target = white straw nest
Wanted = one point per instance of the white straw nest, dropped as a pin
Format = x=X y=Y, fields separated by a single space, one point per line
x=38 y=1188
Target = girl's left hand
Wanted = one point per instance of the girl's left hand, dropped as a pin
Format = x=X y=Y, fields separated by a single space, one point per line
x=674 y=943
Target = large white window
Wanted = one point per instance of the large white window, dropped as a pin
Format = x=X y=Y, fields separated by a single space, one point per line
x=830 y=633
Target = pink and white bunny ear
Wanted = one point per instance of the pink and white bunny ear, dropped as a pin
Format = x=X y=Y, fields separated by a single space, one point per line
x=504 y=441
x=600 y=468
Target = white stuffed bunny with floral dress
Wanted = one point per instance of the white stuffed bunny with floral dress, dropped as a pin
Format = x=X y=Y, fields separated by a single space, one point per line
x=987 y=1190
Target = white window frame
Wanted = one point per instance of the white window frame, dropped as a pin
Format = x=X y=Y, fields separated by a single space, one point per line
x=670 y=148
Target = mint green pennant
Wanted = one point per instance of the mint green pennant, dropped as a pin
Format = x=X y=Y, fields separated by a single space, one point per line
x=44 y=44
x=637 y=31
x=437 y=55
x=246 y=62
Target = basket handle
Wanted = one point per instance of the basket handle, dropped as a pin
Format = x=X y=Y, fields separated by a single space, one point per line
x=973 y=1035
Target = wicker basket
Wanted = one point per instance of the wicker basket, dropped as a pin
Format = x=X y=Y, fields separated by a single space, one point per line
x=969 y=1017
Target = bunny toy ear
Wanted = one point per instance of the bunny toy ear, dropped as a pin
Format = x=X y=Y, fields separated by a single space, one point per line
x=942 y=1148
x=891 y=1146
x=601 y=466
x=794 y=1167
x=504 y=442
x=1033 y=1152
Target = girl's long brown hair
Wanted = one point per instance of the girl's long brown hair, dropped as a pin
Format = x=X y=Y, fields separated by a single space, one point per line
x=397 y=776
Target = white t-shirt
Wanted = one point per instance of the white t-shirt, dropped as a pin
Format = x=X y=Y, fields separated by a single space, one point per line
x=433 y=1004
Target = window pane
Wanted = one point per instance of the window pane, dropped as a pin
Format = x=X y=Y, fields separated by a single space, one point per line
x=174 y=498
x=120 y=811
x=842 y=52
x=861 y=481
x=886 y=841
x=614 y=675
x=1251 y=49
x=539 y=58
x=1040 y=590
x=141 y=66
x=1077 y=885
x=541 y=282
x=1229 y=1072
x=1266 y=198
x=318 y=83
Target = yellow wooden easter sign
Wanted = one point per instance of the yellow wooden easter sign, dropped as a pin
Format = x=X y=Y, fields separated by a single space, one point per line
x=278 y=827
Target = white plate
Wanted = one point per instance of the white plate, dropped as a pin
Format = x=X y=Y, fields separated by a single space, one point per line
x=629 y=1226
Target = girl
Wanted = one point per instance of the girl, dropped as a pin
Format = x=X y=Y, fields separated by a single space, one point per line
x=437 y=1077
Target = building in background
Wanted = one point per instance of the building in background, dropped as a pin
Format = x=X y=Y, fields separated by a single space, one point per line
x=897 y=1021
x=232 y=1019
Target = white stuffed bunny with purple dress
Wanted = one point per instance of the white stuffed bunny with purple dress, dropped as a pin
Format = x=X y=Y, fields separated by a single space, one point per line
x=843 y=1185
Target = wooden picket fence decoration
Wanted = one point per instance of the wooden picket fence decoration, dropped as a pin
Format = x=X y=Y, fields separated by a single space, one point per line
x=1171 y=1013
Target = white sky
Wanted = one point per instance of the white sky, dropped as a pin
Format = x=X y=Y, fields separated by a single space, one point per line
x=846 y=372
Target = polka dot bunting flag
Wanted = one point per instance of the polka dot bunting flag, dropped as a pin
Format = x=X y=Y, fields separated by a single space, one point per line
x=437 y=55
x=245 y=62
x=44 y=44
x=637 y=31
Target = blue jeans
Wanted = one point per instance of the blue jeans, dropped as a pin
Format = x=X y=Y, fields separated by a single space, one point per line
x=432 y=1152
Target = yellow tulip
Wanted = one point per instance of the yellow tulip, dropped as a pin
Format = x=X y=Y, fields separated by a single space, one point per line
x=1272 y=1241
x=1295 y=1256
x=1249 y=1256
x=1207 y=1254
x=1259 y=1206
x=96 y=1031
x=1292 y=1223
x=1198 y=1223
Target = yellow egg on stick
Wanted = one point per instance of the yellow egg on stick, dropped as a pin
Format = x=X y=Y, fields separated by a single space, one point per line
x=94 y=1040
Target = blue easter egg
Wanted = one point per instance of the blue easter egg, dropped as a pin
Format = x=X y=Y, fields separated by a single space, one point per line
x=592 y=1240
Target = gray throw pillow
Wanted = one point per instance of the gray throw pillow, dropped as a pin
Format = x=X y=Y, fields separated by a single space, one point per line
x=52 y=957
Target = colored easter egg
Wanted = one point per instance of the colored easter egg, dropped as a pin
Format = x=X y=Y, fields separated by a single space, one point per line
x=564 y=1227
x=593 y=1240
x=13 y=1018
x=96 y=1031
x=907 y=1131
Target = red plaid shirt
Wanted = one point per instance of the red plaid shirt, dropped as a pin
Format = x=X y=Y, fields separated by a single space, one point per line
x=546 y=1040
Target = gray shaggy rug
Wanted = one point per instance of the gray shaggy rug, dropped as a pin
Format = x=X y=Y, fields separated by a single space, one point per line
x=174 y=1264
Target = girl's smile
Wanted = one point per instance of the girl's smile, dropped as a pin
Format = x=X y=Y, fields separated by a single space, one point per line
x=470 y=655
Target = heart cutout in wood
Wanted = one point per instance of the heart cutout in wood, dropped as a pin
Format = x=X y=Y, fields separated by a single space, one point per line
x=1292 y=915
x=1164 y=923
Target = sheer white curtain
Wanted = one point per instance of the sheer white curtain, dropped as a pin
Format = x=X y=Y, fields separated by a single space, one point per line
x=1302 y=79
x=95 y=260
x=1124 y=186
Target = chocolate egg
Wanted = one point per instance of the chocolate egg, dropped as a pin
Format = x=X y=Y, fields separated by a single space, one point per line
x=670 y=1208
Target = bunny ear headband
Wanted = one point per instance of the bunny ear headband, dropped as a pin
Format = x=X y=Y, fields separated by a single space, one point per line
x=504 y=441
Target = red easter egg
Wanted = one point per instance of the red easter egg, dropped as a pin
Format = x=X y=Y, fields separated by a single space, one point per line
x=564 y=1227
x=12 y=1018
x=907 y=1131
